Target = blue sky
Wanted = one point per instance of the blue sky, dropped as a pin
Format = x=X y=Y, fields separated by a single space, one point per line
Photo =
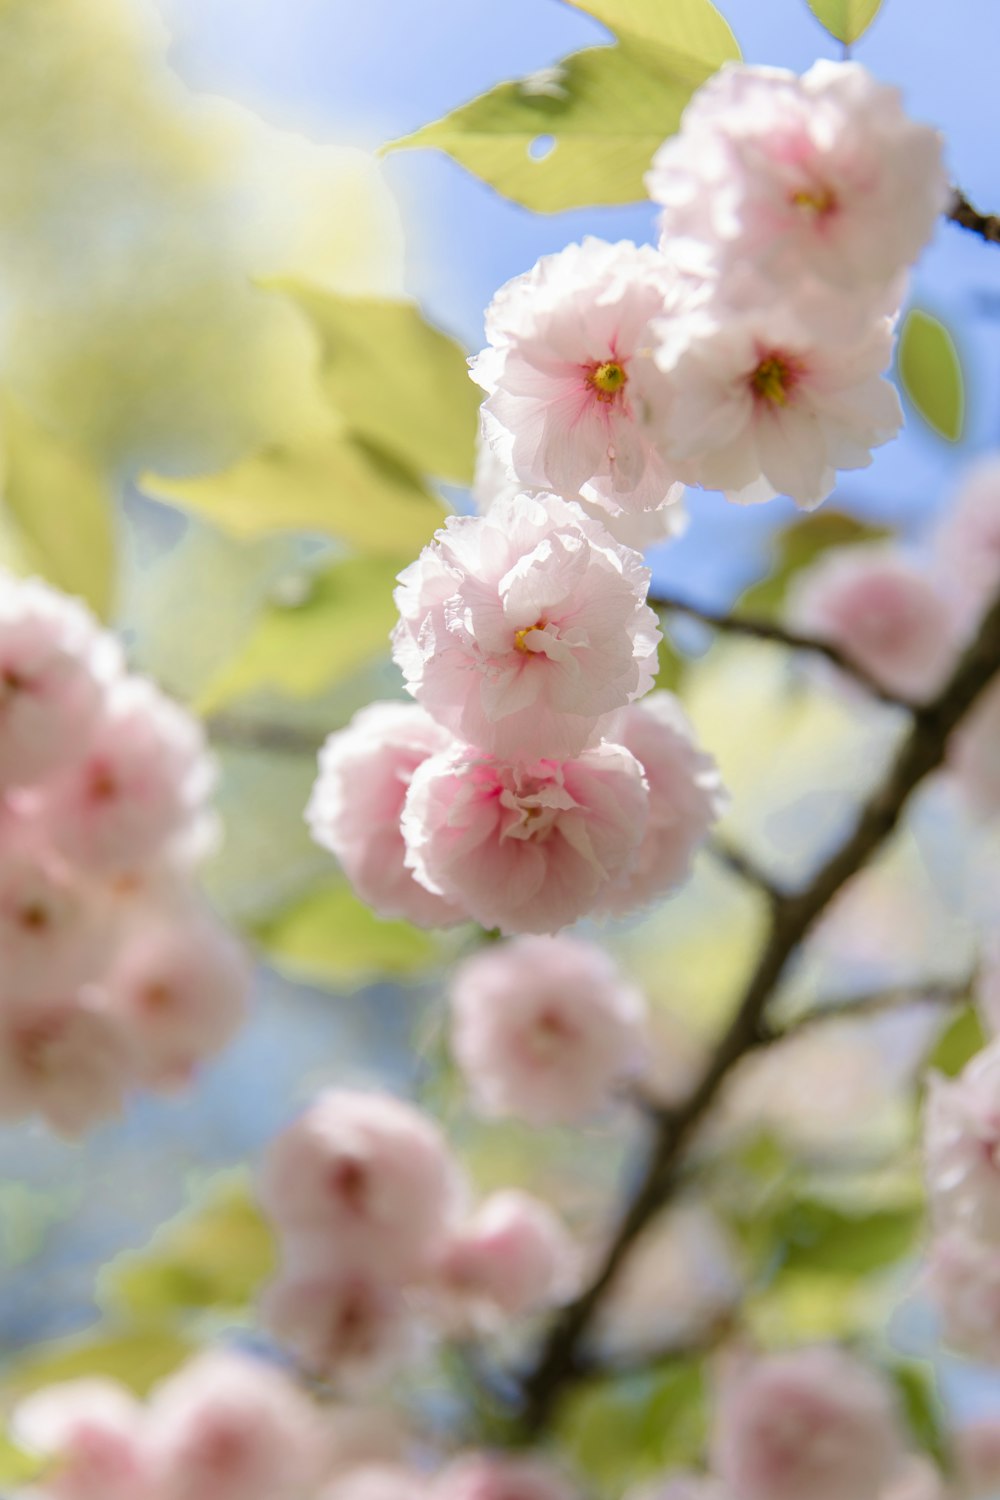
x=340 y=71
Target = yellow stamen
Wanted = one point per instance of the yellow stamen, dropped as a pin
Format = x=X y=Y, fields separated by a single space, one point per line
x=521 y=636
x=818 y=201
x=608 y=379
x=772 y=380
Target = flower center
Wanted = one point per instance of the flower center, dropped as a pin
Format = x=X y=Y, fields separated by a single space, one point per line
x=817 y=201
x=773 y=379
x=521 y=636
x=607 y=380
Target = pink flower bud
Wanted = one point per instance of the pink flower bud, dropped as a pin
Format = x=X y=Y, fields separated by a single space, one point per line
x=513 y=1258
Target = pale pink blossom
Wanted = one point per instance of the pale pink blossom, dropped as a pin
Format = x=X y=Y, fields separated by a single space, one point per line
x=962 y=1145
x=823 y=175
x=686 y=797
x=527 y=848
x=93 y=1434
x=56 y=928
x=376 y=1482
x=976 y=1446
x=521 y=629
x=967 y=541
x=64 y=1058
x=512 y=1258
x=357 y=802
x=681 y=1484
x=569 y=381
x=179 y=986
x=771 y=400
x=987 y=985
x=812 y=1422
x=918 y=1479
x=139 y=793
x=545 y=1028
x=229 y=1427
x=488 y=1476
x=963 y=1282
x=343 y=1324
x=366 y=1175
x=885 y=614
x=974 y=754
x=56 y=665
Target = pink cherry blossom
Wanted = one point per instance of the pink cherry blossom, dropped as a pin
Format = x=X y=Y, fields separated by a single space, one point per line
x=376 y=1482
x=686 y=797
x=967 y=542
x=680 y=1485
x=521 y=629
x=366 y=1175
x=512 y=1258
x=487 y=1476
x=56 y=666
x=974 y=754
x=962 y=1145
x=568 y=377
x=64 y=1058
x=976 y=1446
x=884 y=612
x=357 y=801
x=771 y=400
x=812 y=1422
x=139 y=793
x=179 y=986
x=545 y=1028
x=823 y=175
x=56 y=927
x=343 y=1324
x=963 y=1282
x=525 y=848
x=229 y=1427
x=93 y=1433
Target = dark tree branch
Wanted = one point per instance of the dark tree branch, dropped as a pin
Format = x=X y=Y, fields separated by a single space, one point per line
x=875 y=1003
x=263 y=735
x=738 y=863
x=792 y=917
x=962 y=213
x=759 y=629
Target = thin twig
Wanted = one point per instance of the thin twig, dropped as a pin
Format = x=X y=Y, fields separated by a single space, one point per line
x=264 y=735
x=792 y=917
x=962 y=213
x=739 y=863
x=874 y=1003
x=760 y=629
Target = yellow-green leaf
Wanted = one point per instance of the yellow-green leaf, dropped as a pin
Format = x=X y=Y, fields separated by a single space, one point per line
x=338 y=484
x=216 y=1256
x=329 y=937
x=302 y=649
x=798 y=545
x=585 y=131
x=401 y=382
x=931 y=373
x=138 y=1358
x=58 y=507
x=845 y=20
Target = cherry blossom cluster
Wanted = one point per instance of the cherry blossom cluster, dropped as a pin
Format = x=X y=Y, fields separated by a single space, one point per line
x=382 y=1246
x=227 y=1426
x=528 y=786
x=114 y=974
x=746 y=352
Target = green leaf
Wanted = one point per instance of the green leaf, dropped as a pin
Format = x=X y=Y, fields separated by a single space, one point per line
x=585 y=131
x=958 y=1044
x=16 y=1466
x=59 y=511
x=798 y=545
x=339 y=484
x=845 y=20
x=138 y=1358
x=302 y=649
x=670 y=668
x=923 y=1408
x=931 y=373
x=328 y=936
x=399 y=381
x=620 y=1432
x=818 y=1237
x=216 y=1256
